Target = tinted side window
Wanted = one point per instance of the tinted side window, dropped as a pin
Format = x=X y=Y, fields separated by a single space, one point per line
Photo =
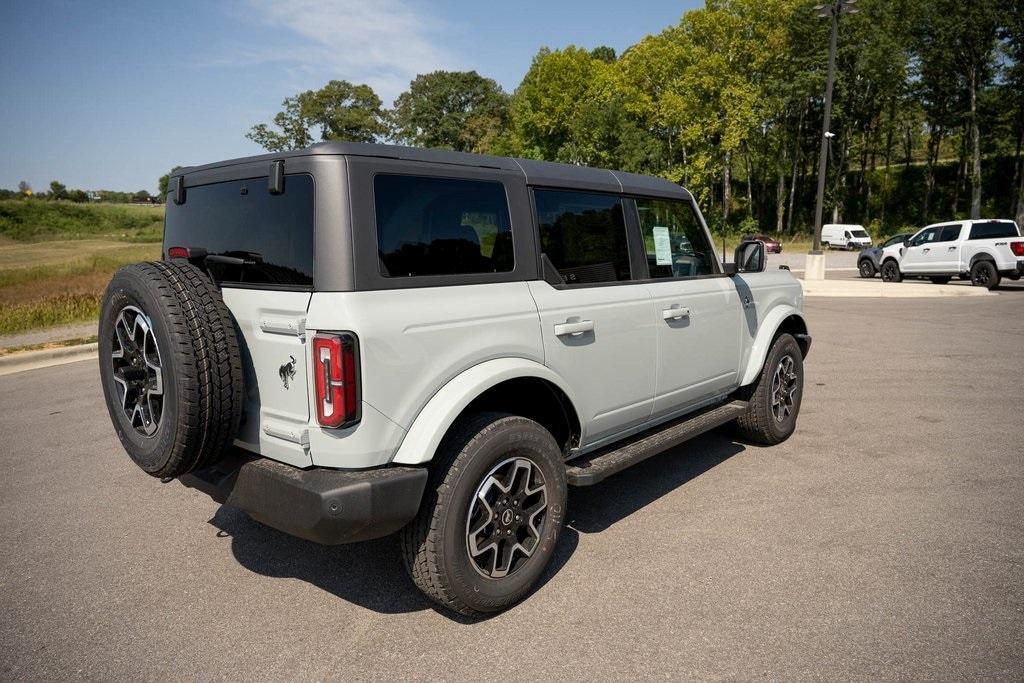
x=441 y=226
x=584 y=235
x=674 y=239
x=924 y=237
x=950 y=233
x=267 y=237
x=992 y=230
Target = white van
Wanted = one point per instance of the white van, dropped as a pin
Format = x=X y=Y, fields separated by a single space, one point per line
x=839 y=236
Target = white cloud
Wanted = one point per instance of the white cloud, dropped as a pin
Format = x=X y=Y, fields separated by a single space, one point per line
x=384 y=43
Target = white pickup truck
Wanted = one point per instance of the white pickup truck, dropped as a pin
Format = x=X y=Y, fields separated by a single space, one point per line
x=984 y=250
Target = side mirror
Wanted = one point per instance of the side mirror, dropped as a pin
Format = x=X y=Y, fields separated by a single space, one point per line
x=750 y=257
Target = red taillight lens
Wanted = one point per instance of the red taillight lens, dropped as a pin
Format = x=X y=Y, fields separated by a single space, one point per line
x=336 y=378
x=177 y=252
x=1017 y=248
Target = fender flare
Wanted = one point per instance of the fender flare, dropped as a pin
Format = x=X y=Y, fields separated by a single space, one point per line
x=444 y=407
x=982 y=256
x=765 y=335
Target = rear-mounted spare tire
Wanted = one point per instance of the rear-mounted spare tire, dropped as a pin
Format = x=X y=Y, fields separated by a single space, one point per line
x=170 y=366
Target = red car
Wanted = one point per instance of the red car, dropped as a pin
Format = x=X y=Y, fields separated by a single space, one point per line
x=772 y=246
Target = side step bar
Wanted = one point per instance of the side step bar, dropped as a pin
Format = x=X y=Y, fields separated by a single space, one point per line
x=593 y=468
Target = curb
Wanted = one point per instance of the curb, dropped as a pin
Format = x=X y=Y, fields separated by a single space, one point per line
x=879 y=290
x=44 y=358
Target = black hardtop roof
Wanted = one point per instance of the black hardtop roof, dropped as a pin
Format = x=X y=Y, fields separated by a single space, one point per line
x=535 y=172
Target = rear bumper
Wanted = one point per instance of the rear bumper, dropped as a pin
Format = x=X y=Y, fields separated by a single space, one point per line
x=322 y=505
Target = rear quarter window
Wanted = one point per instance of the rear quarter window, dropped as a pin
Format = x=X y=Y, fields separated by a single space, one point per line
x=441 y=226
x=992 y=230
x=267 y=238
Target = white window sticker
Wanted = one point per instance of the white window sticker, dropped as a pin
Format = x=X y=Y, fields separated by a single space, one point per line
x=662 y=246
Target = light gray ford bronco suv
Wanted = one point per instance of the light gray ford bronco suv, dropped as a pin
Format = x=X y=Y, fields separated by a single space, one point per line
x=352 y=340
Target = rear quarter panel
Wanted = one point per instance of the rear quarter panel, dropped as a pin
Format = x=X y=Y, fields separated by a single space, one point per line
x=413 y=341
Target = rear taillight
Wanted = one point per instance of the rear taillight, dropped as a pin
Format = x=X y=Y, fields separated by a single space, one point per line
x=336 y=378
x=1017 y=248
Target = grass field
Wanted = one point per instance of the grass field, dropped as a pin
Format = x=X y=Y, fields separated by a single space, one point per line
x=56 y=258
x=35 y=220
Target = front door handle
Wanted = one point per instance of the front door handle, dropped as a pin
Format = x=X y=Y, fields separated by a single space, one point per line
x=951 y=249
x=926 y=250
x=675 y=313
x=574 y=328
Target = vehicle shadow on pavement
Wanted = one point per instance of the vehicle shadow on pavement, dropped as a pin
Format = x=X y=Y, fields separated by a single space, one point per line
x=595 y=508
x=369 y=574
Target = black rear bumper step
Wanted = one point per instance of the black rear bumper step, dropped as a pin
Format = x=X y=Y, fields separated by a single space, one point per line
x=319 y=504
x=593 y=468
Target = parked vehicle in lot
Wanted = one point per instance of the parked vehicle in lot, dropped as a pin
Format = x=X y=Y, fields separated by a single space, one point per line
x=771 y=245
x=840 y=236
x=869 y=262
x=984 y=250
x=438 y=343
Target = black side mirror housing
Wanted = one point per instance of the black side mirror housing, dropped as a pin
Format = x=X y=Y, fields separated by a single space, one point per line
x=750 y=257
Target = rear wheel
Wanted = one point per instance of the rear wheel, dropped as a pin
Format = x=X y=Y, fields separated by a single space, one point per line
x=169 y=366
x=984 y=274
x=866 y=268
x=775 y=396
x=491 y=516
x=891 y=272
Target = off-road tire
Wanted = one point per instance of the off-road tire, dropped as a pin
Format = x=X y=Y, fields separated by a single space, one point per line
x=866 y=268
x=985 y=274
x=759 y=423
x=200 y=360
x=434 y=546
x=940 y=280
x=891 y=271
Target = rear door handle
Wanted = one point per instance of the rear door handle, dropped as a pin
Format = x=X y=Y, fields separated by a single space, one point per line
x=675 y=313
x=574 y=329
x=951 y=249
x=926 y=250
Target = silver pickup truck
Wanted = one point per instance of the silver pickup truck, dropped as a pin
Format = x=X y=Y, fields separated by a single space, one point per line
x=352 y=340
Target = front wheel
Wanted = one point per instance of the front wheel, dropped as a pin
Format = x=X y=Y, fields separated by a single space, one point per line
x=984 y=274
x=891 y=272
x=866 y=268
x=774 y=399
x=491 y=515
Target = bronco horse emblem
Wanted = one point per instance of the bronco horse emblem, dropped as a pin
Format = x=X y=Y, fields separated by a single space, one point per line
x=287 y=371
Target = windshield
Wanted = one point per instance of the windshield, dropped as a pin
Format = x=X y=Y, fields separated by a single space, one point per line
x=859 y=233
x=897 y=239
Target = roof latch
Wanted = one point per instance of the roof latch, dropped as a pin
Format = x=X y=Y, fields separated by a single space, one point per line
x=275 y=180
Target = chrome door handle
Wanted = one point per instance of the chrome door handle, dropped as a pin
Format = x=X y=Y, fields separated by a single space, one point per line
x=574 y=328
x=675 y=313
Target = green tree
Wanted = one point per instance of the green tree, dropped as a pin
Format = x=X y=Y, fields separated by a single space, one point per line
x=458 y=110
x=338 y=111
x=58 y=191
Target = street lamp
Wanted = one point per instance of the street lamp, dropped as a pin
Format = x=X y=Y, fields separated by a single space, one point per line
x=815 y=269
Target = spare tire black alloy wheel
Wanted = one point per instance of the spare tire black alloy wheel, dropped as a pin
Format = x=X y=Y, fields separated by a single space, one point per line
x=135 y=361
x=170 y=367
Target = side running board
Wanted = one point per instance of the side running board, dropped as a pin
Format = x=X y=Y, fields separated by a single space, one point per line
x=595 y=467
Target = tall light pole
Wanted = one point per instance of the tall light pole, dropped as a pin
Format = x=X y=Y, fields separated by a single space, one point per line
x=816 y=266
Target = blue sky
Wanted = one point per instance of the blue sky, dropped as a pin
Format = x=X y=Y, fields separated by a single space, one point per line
x=109 y=95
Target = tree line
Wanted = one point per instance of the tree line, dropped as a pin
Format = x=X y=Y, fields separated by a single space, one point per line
x=928 y=111
x=58 y=191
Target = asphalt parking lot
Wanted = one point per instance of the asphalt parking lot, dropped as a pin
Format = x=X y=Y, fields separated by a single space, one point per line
x=885 y=539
